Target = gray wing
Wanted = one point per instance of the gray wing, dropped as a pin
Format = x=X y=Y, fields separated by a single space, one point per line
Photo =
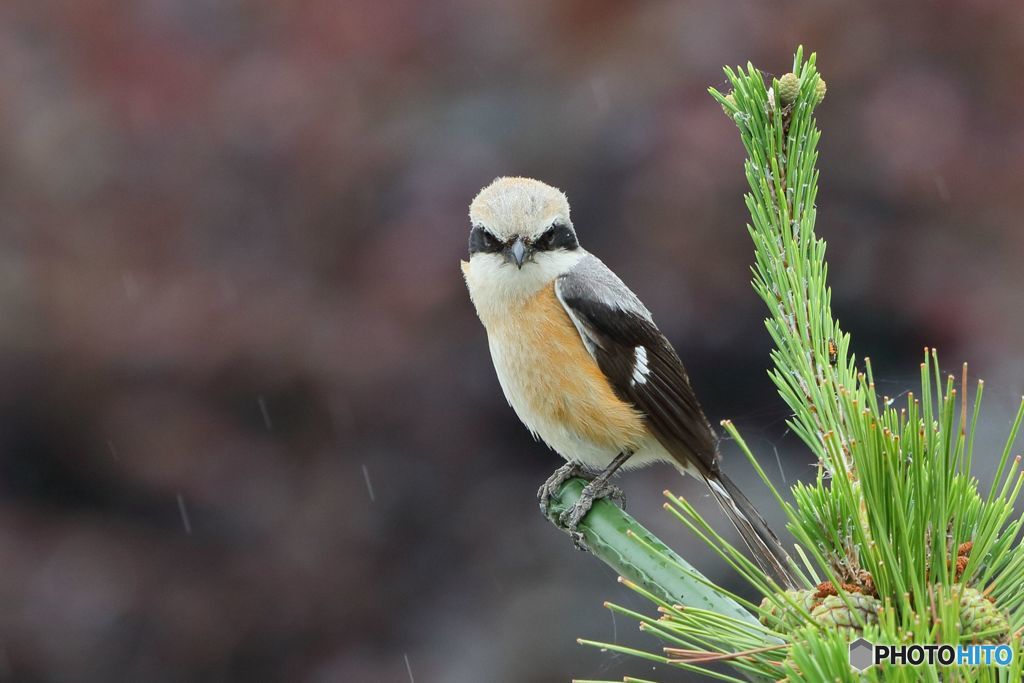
x=639 y=362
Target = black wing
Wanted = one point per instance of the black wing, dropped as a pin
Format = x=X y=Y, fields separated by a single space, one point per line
x=645 y=370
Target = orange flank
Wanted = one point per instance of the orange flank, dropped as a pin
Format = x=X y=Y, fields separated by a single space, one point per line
x=560 y=379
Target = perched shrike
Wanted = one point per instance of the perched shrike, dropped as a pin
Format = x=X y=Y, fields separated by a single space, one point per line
x=582 y=362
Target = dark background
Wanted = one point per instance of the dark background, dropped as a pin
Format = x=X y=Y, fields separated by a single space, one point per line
x=249 y=428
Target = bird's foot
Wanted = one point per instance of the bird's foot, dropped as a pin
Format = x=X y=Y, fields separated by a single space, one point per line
x=554 y=483
x=597 y=489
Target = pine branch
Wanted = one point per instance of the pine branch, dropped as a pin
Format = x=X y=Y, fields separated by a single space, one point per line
x=642 y=561
x=909 y=549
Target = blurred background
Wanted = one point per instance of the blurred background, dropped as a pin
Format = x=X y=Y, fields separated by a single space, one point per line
x=249 y=427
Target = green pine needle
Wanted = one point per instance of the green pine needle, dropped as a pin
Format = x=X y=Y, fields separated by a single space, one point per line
x=894 y=519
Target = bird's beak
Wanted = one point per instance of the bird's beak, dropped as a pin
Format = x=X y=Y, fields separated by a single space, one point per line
x=516 y=252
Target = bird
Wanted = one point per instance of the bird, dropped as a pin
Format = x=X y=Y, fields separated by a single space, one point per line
x=583 y=365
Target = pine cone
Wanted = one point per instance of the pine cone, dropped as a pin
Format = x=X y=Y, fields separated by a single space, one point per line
x=833 y=612
x=979 y=616
x=825 y=589
x=789 y=88
x=961 y=565
x=772 y=614
x=819 y=91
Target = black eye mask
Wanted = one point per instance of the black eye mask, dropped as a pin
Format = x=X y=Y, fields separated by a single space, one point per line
x=482 y=241
x=558 y=236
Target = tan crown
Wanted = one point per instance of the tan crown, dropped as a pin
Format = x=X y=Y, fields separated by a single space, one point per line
x=525 y=207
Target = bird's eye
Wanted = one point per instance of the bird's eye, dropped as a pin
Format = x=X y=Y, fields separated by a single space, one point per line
x=481 y=240
x=558 y=236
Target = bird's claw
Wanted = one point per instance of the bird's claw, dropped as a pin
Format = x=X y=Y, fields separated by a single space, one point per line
x=554 y=483
x=570 y=519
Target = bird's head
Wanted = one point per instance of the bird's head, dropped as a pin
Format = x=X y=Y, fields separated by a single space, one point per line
x=521 y=232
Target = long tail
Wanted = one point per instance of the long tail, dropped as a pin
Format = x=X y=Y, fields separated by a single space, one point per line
x=767 y=550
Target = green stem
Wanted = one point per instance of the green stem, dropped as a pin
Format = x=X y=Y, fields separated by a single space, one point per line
x=642 y=558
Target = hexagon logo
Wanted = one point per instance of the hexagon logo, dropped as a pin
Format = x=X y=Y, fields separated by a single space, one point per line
x=861 y=654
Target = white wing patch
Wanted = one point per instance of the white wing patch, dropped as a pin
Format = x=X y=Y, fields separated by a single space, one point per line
x=640 y=367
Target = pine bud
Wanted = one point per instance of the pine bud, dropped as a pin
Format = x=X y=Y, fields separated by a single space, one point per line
x=731 y=99
x=789 y=88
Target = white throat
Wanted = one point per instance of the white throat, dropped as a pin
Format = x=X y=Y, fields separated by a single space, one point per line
x=495 y=284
